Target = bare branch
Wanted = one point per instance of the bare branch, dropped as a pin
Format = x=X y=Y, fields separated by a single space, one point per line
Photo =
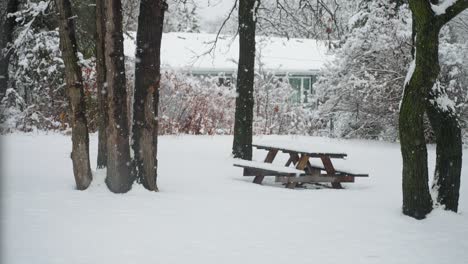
x=213 y=47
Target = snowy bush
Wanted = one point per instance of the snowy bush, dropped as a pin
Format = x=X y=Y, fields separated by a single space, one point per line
x=361 y=90
x=193 y=105
x=11 y=109
x=274 y=110
x=15 y=115
x=200 y=105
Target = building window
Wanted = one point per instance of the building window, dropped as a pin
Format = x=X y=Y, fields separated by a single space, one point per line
x=224 y=81
x=296 y=85
x=302 y=88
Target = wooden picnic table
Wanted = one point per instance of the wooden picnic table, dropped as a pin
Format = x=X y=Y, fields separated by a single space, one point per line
x=308 y=167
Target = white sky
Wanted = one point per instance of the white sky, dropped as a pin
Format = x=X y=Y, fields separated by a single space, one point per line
x=212 y=12
x=213 y=9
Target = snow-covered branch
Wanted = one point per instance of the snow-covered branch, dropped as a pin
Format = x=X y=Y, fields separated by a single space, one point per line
x=449 y=9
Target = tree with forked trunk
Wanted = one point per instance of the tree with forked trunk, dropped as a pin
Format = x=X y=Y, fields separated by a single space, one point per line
x=428 y=19
x=146 y=97
x=74 y=81
x=119 y=176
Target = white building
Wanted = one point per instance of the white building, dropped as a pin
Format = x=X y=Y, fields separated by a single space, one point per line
x=300 y=60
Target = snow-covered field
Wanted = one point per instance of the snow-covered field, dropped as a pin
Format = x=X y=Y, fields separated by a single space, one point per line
x=206 y=212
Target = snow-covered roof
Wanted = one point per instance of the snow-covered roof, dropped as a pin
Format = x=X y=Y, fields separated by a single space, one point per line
x=189 y=52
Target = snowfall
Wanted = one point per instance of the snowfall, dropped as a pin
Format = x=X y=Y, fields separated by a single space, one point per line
x=207 y=212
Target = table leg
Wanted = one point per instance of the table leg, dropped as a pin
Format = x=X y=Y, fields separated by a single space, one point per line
x=293 y=158
x=330 y=170
x=301 y=164
x=311 y=170
x=269 y=159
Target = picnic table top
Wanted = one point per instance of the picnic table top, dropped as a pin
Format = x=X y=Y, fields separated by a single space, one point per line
x=288 y=147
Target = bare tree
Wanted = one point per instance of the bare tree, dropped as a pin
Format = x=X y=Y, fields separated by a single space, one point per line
x=147 y=84
x=317 y=19
x=74 y=80
x=119 y=177
x=101 y=84
x=242 y=145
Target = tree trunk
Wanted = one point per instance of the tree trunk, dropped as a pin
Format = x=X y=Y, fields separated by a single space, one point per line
x=446 y=183
x=119 y=178
x=242 y=145
x=147 y=79
x=6 y=30
x=417 y=200
x=418 y=93
x=101 y=80
x=80 y=137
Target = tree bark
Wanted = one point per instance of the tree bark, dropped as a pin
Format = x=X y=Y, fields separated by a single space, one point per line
x=119 y=178
x=242 y=145
x=101 y=88
x=6 y=31
x=147 y=83
x=446 y=183
x=417 y=96
x=417 y=200
x=73 y=77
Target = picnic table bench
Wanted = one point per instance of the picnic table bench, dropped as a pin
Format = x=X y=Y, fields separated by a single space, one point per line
x=309 y=167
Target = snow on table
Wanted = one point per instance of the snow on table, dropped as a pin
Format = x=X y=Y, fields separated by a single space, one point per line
x=317 y=148
x=325 y=146
x=302 y=147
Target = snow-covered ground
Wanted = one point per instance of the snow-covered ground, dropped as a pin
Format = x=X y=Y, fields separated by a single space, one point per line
x=206 y=212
